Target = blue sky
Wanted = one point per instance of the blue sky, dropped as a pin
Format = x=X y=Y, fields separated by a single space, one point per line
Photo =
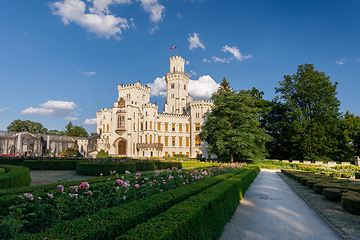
x=62 y=60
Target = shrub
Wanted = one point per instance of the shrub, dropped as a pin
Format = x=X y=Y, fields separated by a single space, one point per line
x=92 y=169
x=15 y=176
x=336 y=174
x=145 y=165
x=333 y=194
x=345 y=175
x=351 y=202
x=51 y=164
x=12 y=161
x=165 y=165
x=357 y=175
x=102 y=154
x=319 y=187
x=2 y=170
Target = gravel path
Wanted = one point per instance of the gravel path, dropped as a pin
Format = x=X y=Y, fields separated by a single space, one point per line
x=39 y=177
x=272 y=210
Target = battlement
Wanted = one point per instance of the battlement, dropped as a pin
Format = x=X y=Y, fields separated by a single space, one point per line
x=177 y=58
x=173 y=115
x=177 y=64
x=202 y=104
x=134 y=87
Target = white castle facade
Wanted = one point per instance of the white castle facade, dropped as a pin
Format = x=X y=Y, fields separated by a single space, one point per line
x=134 y=128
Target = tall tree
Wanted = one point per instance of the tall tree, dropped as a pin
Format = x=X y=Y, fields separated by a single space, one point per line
x=224 y=86
x=312 y=112
x=26 y=126
x=232 y=127
x=73 y=130
x=350 y=136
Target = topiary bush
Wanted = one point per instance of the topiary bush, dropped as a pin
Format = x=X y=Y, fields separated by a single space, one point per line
x=2 y=170
x=51 y=164
x=351 y=202
x=14 y=176
x=333 y=194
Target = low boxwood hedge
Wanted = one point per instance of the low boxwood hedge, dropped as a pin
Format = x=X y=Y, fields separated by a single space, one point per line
x=351 y=202
x=12 y=161
x=145 y=165
x=15 y=176
x=165 y=165
x=113 y=222
x=333 y=194
x=51 y=164
x=202 y=216
x=2 y=170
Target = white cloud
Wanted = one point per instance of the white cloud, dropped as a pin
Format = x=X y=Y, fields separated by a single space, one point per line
x=192 y=73
x=340 y=62
x=202 y=88
x=2 y=110
x=97 y=20
x=235 y=51
x=179 y=15
x=155 y=10
x=158 y=87
x=187 y=62
x=224 y=60
x=195 y=41
x=86 y=73
x=69 y=118
x=206 y=60
x=51 y=108
x=91 y=121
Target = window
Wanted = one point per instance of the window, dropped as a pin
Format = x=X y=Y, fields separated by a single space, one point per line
x=150 y=125
x=150 y=138
x=140 y=139
x=173 y=141
x=145 y=138
x=180 y=153
x=173 y=153
x=166 y=126
x=174 y=69
x=159 y=126
x=187 y=154
x=159 y=139
x=180 y=127
x=197 y=141
x=166 y=154
x=184 y=87
x=187 y=127
x=121 y=122
x=172 y=96
x=107 y=127
x=180 y=141
x=173 y=85
x=103 y=127
x=107 y=138
x=187 y=142
x=197 y=126
x=173 y=127
x=134 y=126
x=142 y=126
x=166 y=141
x=145 y=125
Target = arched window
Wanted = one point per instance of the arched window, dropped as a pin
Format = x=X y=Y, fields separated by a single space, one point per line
x=174 y=69
x=123 y=122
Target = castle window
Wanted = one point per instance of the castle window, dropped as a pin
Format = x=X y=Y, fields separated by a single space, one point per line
x=107 y=127
x=145 y=125
x=197 y=126
x=166 y=126
x=172 y=96
x=187 y=154
x=142 y=126
x=173 y=127
x=187 y=127
x=150 y=138
x=174 y=69
x=180 y=153
x=173 y=85
x=173 y=153
x=166 y=141
x=159 y=126
x=159 y=139
x=187 y=142
x=134 y=126
x=166 y=154
x=145 y=138
x=150 y=125
x=173 y=141
x=197 y=141
x=180 y=127
x=180 y=141
x=103 y=127
x=184 y=87
x=107 y=138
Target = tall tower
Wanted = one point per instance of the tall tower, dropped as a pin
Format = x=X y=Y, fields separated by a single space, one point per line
x=176 y=86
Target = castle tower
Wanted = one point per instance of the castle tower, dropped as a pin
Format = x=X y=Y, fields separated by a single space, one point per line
x=176 y=86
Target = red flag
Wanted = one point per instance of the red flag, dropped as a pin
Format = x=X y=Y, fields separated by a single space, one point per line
x=173 y=47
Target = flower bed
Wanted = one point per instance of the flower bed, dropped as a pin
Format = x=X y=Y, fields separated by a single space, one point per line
x=201 y=216
x=43 y=209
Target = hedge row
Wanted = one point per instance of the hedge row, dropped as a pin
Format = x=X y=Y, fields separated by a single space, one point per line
x=200 y=217
x=14 y=176
x=2 y=170
x=50 y=164
x=337 y=190
x=95 y=169
x=113 y=222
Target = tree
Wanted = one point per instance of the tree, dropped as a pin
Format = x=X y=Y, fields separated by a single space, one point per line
x=102 y=154
x=311 y=116
x=73 y=130
x=232 y=127
x=350 y=136
x=26 y=126
x=224 y=86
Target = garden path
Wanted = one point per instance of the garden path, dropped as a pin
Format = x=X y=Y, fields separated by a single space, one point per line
x=39 y=177
x=270 y=209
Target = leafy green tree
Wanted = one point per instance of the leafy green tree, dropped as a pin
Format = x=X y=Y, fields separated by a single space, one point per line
x=350 y=135
x=55 y=132
x=224 y=86
x=72 y=152
x=73 y=130
x=232 y=127
x=312 y=111
x=102 y=154
x=26 y=126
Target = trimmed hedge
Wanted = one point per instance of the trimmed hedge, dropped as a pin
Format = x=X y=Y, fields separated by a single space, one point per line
x=2 y=170
x=112 y=222
x=333 y=194
x=95 y=169
x=51 y=164
x=165 y=165
x=351 y=202
x=200 y=217
x=357 y=175
x=145 y=165
x=12 y=161
x=15 y=176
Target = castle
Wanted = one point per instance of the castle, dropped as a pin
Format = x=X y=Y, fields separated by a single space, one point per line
x=134 y=128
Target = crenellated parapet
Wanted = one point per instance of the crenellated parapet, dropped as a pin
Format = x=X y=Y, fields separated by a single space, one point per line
x=172 y=116
x=150 y=105
x=134 y=87
x=202 y=104
x=170 y=77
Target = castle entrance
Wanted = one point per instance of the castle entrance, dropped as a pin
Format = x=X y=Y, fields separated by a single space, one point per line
x=122 y=147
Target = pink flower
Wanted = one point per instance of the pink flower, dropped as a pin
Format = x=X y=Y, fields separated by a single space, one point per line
x=146 y=178
x=74 y=187
x=60 y=188
x=28 y=195
x=39 y=198
x=138 y=174
x=50 y=195
x=127 y=172
x=137 y=185
x=118 y=181
x=84 y=185
x=32 y=199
